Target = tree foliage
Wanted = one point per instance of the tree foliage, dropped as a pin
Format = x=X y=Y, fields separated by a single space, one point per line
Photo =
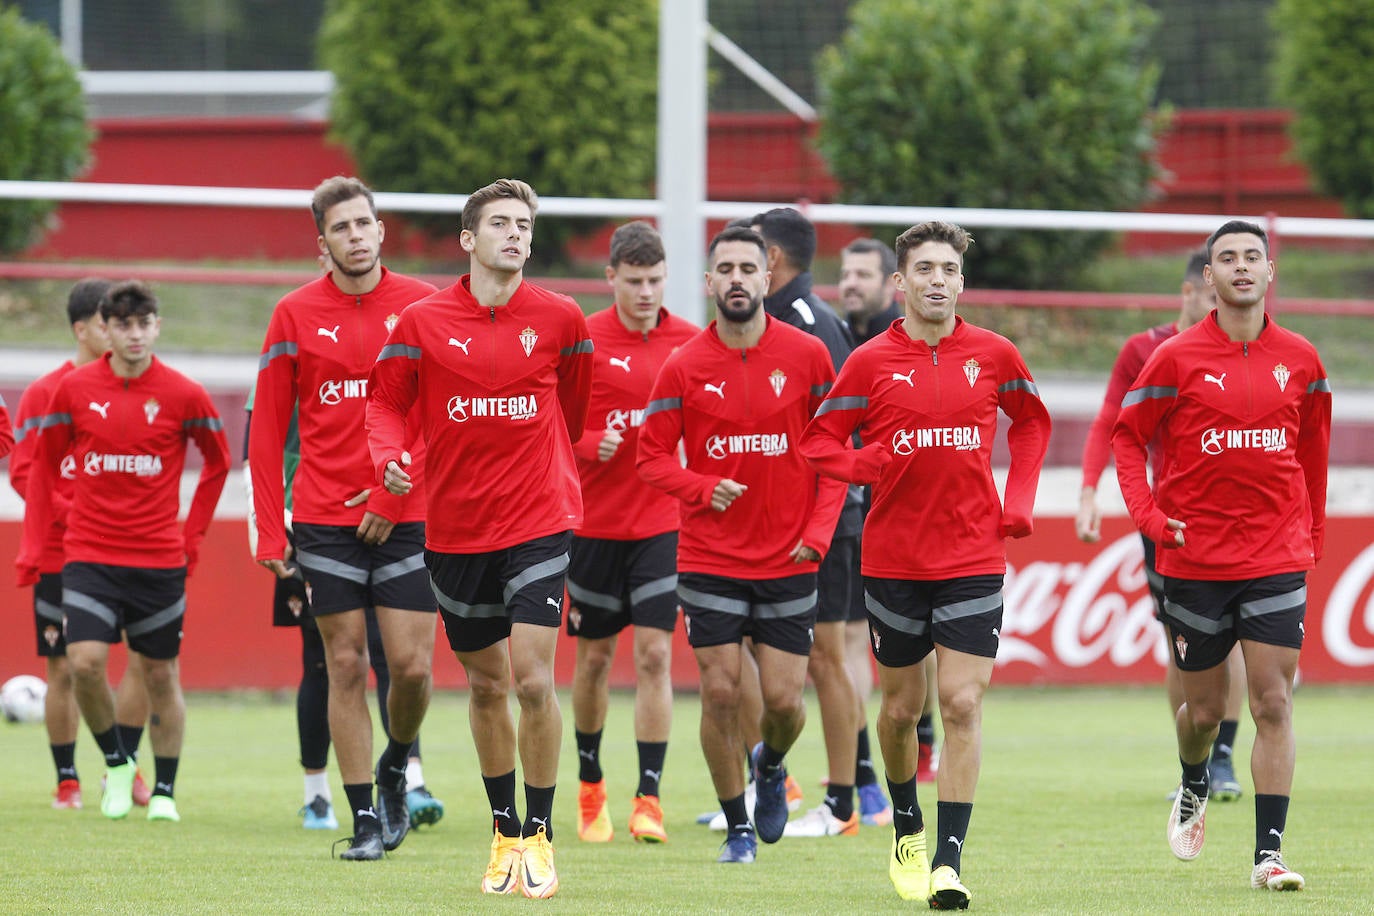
x=1024 y=104
x=43 y=131
x=443 y=97
x=1322 y=73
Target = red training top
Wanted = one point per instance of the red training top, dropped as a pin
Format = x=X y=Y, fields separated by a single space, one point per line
x=929 y=416
x=739 y=414
x=128 y=438
x=618 y=505
x=500 y=391
x=1097 y=450
x=321 y=344
x=32 y=406
x=6 y=431
x=1244 y=429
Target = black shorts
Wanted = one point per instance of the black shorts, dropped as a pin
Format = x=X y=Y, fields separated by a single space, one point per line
x=147 y=605
x=616 y=584
x=481 y=594
x=344 y=574
x=1206 y=618
x=775 y=612
x=906 y=617
x=840 y=584
x=47 y=616
x=1153 y=580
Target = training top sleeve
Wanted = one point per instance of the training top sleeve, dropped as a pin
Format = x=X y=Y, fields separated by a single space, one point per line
x=1142 y=409
x=658 y=461
x=54 y=432
x=1097 y=448
x=827 y=443
x=575 y=377
x=274 y=402
x=6 y=430
x=1313 y=450
x=205 y=428
x=392 y=390
x=1028 y=439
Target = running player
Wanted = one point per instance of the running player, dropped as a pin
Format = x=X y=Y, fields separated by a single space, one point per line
x=1242 y=411
x=61 y=717
x=498 y=373
x=357 y=545
x=126 y=420
x=1198 y=299
x=623 y=568
x=756 y=521
x=924 y=399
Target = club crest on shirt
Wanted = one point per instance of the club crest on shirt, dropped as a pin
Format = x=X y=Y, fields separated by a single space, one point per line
x=1281 y=375
x=971 y=370
x=150 y=409
x=390 y=322
x=528 y=338
x=777 y=378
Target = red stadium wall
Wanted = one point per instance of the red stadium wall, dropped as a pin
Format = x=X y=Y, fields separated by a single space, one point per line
x=1214 y=162
x=1076 y=614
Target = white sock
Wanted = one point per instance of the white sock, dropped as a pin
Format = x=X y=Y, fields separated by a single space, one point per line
x=415 y=774
x=317 y=784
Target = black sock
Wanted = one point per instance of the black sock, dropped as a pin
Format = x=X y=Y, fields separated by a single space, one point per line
x=840 y=800
x=501 y=796
x=864 y=774
x=1195 y=777
x=391 y=766
x=1271 y=816
x=588 y=755
x=906 y=813
x=64 y=759
x=651 y=757
x=925 y=730
x=108 y=741
x=165 y=775
x=1226 y=739
x=129 y=737
x=360 y=803
x=538 y=811
x=770 y=761
x=952 y=819
x=736 y=813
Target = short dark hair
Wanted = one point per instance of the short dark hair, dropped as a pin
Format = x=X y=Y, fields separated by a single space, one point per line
x=1235 y=227
x=887 y=258
x=500 y=189
x=84 y=299
x=1196 y=261
x=336 y=190
x=791 y=232
x=129 y=299
x=737 y=234
x=741 y=222
x=934 y=230
x=637 y=244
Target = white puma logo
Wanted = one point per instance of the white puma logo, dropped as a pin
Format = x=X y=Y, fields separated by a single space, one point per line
x=556 y=602
x=958 y=843
x=898 y=377
x=909 y=812
x=102 y=409
x=462 y=345
x=540 y=821
x=718 y=389
x=655 y=775
x=622 y=363
x=587 y=755
x=332 y=335
x=1278 y=834
x=1219 y=381
x=504 y=812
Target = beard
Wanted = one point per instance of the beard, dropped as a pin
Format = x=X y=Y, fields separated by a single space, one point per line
x=342 y=267
x=737 y=314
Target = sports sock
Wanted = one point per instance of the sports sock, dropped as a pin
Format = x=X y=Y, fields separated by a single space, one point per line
x=906 y=814
x=64 y=760
x=770 y=761
x=129 y=737
x=1271 y=816
x=538 y=811
x=391 y=766
x=925 y=730
x=651 y=757
x=415 y=773
x=839 y=799
x=312 y=703
x=736 y=813
x=588 y=755
x=864 y=774
x=501 y=797
x=1195 y=777
x=165 y=775
x=108 y=742
x=952 y=819
x=1226 y=739
x=317 y=786
x=360 y=803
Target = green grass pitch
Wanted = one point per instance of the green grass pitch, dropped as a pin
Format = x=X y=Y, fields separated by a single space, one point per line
x=1069 y=819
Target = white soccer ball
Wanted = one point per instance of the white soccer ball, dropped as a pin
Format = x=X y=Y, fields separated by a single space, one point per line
x=22 y=697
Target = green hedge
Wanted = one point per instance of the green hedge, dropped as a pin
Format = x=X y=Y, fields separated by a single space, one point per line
x=1024 y=104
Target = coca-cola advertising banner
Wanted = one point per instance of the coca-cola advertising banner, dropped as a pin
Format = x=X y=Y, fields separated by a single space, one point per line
x=1080 y=613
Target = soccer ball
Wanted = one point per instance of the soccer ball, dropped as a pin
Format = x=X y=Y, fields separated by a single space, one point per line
x=21 y=698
